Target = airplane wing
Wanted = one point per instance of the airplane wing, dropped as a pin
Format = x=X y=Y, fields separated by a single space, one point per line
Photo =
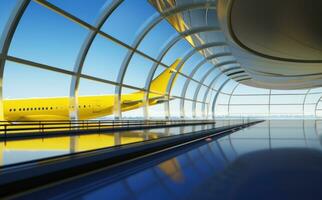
x=159 y=99
x=43 y=117
x=130 y=102
x=162 y=100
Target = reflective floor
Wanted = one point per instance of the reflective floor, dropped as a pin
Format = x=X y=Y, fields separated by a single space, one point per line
x=271 y=160
x=12 y=152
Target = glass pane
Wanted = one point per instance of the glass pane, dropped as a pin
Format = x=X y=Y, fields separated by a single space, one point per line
x=137 y=71
x=210 y=77
x=229 y=87
x=286 y=110
x=91 y=88
x=157 y=39
x=191 y=63
x=46 y=37
x=287 y=99
x=222 y=99
x=175 y=108
x=309 y=110
x=199 y=110
x=249 y=99
x=201 y=93
x=219 y=82
x=126 y=22
x=255 y=110
x=178 y=85
x=22 y=81
x=104 y=59
x=156 y=107
x=220 y=111
x=177 y=51
x=86 y=10
x=202 y=71
x=191 y=90
x=208 y=112
x=188 y=109
x=210 y=94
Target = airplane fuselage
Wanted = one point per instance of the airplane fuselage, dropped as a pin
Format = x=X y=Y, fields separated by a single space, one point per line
x=89 y=107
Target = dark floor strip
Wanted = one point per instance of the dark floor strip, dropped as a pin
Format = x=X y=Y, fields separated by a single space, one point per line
x=21 y=177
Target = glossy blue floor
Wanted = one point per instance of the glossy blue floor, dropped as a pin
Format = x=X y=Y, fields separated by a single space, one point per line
x=22 y=150
x=17 y=151
x=271 y=160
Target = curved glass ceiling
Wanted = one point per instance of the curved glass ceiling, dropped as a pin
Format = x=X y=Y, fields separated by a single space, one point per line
x=70 y=49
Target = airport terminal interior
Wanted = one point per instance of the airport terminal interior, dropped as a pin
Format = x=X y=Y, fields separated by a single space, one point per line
x=160 y=99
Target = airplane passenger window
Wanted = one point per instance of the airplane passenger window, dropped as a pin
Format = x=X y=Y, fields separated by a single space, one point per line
x=10 y=110
x=19 y=109
x=14 y=110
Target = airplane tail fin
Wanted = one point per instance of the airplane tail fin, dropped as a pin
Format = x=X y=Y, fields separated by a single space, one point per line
x=160 y=83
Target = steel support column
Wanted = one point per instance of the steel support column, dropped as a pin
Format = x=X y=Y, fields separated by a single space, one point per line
x=5 y=40
x=269 y=102
x=304 y=100
x=74 y=115
x=232 y=92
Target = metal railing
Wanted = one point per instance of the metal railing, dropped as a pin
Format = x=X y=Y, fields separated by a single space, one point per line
x=9 y=127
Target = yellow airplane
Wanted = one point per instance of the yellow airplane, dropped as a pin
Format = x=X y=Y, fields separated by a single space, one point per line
x=90 y=107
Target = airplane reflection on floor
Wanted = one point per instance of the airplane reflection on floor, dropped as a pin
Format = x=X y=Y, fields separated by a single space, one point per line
x=16 y=151
x=216 y=169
